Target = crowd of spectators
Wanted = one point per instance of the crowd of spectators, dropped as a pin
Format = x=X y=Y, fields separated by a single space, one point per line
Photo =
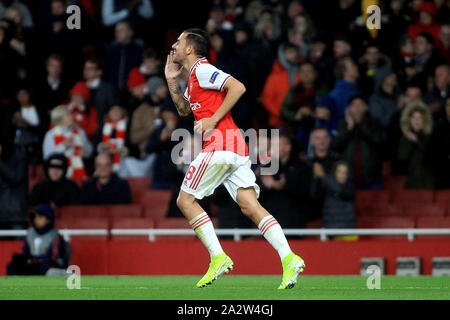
x=93 y=106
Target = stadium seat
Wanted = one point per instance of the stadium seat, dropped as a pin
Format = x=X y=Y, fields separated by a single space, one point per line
x=366 y=198
x=131 y=223
x=412 y=196
x=138 y=186
x=74 y=212
x=124 y=211
x=417 y=210
x=442 y=197
x=384 y=210
x=155 y=203
x=385 y=222
x=433 y=222
x=392 y=183
x=84 y=223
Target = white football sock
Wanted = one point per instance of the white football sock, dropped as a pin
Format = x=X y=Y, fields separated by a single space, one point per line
x=273 y=233
x=204 y=229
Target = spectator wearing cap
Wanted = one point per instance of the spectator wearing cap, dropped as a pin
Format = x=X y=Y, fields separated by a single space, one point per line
x=44 y=248
x=437 y=97
x=415 y=146
x=122 y=55
x=79 y=106
x=103 y=95
x=137 y=91
x=157 y=91
x=426 y=22
x=383 y=101
x=55 y=189
x=106 y=188
x=359 y=140
x=68 y=138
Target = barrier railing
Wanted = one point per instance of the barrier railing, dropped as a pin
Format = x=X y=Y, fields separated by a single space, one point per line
x=237 y=234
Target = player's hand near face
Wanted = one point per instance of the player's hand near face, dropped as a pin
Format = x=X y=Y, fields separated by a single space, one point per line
x=172 y=70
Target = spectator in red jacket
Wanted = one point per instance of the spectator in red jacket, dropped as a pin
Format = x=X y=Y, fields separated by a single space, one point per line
x=427 y=12
x=283 y=77
x=83 y=113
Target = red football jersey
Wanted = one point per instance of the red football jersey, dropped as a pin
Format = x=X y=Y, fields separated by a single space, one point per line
x=205 y=94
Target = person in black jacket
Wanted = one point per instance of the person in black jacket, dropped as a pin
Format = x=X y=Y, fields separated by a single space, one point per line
x=106 y=188
x=359 y=140
x=286 y=193
x=44 y=248
x=338 y=207
x=440 y=141
x=13 y=182
x=55 y=189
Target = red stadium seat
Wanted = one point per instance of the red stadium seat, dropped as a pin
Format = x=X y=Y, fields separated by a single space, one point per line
x=385 y=222
x=384 y=210
x=84 y=223
x=366 y=198
x=138 y=186
x=417 y=210
x=155 y=203
x=433 y=222
x=415 y=196
x=74 y=212
x=131 y=223
x=124 y=211
x=442 y=196
x=392 y=183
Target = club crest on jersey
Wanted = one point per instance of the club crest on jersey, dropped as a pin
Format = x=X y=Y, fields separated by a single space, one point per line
x=195 y=106
x=213 y=77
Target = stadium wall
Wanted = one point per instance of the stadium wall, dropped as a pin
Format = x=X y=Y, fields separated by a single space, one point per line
x=171 y=257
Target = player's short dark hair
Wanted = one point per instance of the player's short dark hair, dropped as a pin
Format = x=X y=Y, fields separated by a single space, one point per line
x=199 y=39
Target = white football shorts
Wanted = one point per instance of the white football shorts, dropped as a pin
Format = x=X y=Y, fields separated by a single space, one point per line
x=210 y=169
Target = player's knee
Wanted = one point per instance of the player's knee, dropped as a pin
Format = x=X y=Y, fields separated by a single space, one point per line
x=183 y=202
x=249 y=208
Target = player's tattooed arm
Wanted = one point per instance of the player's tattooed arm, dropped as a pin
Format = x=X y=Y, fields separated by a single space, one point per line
x=181 y=104
x=172 y=71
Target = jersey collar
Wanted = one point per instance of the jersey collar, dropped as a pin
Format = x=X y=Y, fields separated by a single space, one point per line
x=195 y=65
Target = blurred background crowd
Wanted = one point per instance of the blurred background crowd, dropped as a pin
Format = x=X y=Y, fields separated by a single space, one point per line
x=91 y=106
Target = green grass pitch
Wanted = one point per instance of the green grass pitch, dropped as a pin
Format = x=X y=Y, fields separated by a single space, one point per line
x=227 y=287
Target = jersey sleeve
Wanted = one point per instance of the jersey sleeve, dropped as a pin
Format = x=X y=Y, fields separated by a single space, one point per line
x=185 y=94
x=209 y=77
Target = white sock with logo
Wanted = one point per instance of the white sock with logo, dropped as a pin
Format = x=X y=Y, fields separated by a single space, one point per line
x=273 y=233
x=204 y=229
